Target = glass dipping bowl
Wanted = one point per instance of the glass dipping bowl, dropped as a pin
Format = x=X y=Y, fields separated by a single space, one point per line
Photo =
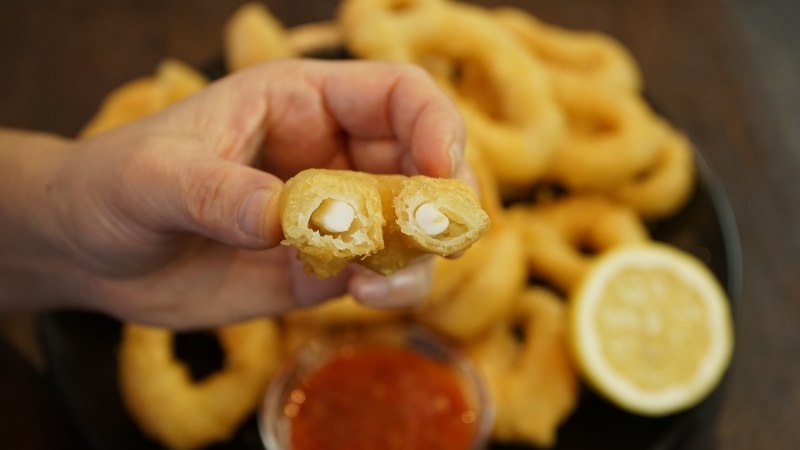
x=275 y=425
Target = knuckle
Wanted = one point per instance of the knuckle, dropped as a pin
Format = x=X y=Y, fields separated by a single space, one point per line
x=205 y=189
x=415 y=71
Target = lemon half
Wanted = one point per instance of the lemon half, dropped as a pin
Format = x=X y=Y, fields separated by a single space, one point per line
x=651 y=329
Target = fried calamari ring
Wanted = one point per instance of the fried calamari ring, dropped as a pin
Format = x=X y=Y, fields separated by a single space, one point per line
x=180 y=413
x=664 y=188
x=541 y=104
x=353 y=15
x=354 y=229
x=561 y=238
x=489 y=194
x=425 y=215
x=342 y=310
x=518 y=125
x=303 y=325
x=341 y=315
x=532 y=382
x=586 y=55
x=173 y=80
x=383 y=222
x=613 y=135
x=310 y=38
x=473 y=292
x=252 y=35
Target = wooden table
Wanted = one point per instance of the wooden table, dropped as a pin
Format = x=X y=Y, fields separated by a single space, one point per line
x=728 y=72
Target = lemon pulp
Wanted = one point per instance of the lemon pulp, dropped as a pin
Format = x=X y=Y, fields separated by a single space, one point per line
x=651 y=329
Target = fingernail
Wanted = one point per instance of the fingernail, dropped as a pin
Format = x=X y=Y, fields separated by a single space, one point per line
x=466 y=175
x=456 y=157
x=455 y=255
x=407 y=288
x=250 y=215
x=404 y=288
x=408 y=166
x=310 y=290
x=373 y=290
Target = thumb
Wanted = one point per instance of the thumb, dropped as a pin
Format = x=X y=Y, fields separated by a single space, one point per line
x=225 y=201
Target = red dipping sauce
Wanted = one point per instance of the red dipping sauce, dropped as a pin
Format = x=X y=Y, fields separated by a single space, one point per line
x=380 y=398
x=382 y=387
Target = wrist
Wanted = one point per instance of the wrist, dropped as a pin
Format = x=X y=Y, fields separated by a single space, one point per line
x=33 y=272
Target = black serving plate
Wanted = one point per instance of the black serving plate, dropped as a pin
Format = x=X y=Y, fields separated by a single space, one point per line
x=81 y=352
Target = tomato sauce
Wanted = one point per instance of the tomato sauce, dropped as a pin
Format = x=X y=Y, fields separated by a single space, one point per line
x=380 y=398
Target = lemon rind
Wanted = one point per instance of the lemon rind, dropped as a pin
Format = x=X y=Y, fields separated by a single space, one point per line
x=614 y=386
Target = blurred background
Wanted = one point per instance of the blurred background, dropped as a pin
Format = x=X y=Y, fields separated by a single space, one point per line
x=728 y=72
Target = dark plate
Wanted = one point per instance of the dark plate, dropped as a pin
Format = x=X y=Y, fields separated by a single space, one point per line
x=81 y=351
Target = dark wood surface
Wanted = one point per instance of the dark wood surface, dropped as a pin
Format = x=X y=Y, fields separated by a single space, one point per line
x=728 y=72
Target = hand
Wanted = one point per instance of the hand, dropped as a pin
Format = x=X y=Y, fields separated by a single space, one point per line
x=172 y=220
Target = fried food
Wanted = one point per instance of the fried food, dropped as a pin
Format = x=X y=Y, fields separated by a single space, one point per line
x=518 y=124
x=170 y=407
x=569 y=158
x=488 y=190
x=590 y=56
x=314 y=37
x=342 y=313
x=613 y=135
x=425 y=215
x=173 y=81
x=532 y=380
x=662 y=189
x=299 y=334
x=253 y=35
x=473 y=292
x=561 y=238
x=342 y=310
x=383 y=222
x=355 y=14
x=316 y=206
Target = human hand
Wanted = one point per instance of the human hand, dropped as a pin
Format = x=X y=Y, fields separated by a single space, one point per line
x=172 y=220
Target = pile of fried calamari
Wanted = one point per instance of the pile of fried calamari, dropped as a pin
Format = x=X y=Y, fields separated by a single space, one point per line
x=570 y=159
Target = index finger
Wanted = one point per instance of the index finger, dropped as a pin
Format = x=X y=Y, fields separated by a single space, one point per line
x=379 y=102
